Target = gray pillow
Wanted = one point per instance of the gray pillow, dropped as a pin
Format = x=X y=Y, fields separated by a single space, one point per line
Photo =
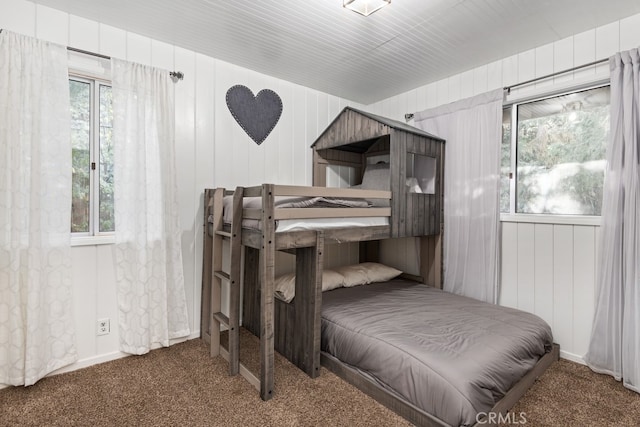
x=377 y=177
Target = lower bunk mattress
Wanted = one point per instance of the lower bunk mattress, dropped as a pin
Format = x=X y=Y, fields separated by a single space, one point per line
x=450 y=356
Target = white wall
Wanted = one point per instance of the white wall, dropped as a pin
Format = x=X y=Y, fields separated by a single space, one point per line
x=548 y=269
x=212 y=150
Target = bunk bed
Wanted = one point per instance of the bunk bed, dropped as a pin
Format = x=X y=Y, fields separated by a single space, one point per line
x=408 y=204
x=354 y=139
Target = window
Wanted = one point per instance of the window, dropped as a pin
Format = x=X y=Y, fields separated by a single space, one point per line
x=560 y=147
x=92 y=157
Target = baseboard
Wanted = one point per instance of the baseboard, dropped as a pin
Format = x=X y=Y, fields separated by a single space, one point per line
x=107 y=357
x=572 y=357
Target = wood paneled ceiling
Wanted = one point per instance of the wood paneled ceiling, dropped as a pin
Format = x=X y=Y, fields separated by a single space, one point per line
x=321 y=45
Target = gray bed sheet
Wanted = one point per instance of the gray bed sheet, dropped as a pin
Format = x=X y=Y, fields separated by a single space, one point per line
x=448 y=355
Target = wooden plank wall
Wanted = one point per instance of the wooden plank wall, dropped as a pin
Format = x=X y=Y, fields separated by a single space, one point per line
x=550 y=270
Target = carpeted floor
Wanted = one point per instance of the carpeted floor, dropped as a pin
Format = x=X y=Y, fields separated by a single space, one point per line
x=183 y=386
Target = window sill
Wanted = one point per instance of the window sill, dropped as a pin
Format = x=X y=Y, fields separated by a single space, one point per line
x=92 y=240
x=552 y=219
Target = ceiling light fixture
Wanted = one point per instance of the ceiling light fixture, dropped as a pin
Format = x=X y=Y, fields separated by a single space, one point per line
x=365 y=7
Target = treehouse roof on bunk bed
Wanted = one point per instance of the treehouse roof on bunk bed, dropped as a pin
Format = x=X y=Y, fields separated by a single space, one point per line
x=358 y=139
x=356 y=130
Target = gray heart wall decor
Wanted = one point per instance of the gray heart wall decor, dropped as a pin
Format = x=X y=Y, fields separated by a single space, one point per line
x=257 y=115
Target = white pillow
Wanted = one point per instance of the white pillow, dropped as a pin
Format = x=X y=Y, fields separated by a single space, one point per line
x=413 y=185
x=367 y=272
x=354 y=275
x=331 y=280
x=285 y=285
x=380 y=272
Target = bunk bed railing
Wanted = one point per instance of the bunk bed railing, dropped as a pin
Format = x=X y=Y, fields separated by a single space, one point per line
x=308 y=213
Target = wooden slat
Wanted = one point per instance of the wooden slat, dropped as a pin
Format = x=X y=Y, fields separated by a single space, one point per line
x=405 y=215
x=307 y=303
x=221 y=318
x=223 y=234
x=298 y=239
x=420 y=417
x=234 y=282
x=435 y=199
x=397 y=156
x=251 y=294
x=222 y=275
x=521 y=387
x=281 y=332
x=216 y=265
x=380 y=394
x=307 y=213
x=252 y=238
x=207 y=267
x=319 y=169
x=267 y=270
x=440 y=183
x=297 y=190
x=246 y=373
x=253 y=191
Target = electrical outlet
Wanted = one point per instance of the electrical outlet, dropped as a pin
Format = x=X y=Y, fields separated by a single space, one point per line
x=104 y=326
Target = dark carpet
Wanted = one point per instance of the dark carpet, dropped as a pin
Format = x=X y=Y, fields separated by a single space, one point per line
x=183 y=386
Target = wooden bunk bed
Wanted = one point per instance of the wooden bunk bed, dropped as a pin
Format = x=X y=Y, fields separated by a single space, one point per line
x=357 y=140
x=407 y=214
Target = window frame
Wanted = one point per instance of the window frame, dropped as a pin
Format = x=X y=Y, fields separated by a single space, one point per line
x=531 y=96
x=94 y=236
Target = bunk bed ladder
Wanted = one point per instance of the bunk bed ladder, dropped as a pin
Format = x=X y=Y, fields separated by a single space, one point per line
x=232 y=278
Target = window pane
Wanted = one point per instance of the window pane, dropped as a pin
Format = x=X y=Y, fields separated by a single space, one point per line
x=80 y=94
x=106 y=160
x=505 y=160
x=561 y=151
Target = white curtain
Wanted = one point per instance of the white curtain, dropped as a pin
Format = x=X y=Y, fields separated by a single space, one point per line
x=614 y=348
x=472 y=129
x=151 y=296
x=36 y=324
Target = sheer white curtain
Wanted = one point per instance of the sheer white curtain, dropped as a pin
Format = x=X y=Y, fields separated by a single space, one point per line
x=472 y=129
x=151 y=296
x=614 y=348
x=36 y=325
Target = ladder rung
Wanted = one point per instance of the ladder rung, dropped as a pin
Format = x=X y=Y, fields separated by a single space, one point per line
x=221 y=318
x=223 y=234
x=222 y=275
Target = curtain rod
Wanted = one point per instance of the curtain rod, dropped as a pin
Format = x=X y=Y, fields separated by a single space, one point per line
x=176 y=75
x=409 y=116
x=568 y=70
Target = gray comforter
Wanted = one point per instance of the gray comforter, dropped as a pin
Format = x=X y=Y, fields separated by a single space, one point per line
x=449 y=355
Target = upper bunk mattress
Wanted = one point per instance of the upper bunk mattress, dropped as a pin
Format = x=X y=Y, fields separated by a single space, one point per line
x=451 y=356
x=284 y=202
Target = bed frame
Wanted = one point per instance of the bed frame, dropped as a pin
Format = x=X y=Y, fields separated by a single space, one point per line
x=292 y=329
x=417 y=416
x=352 y=140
